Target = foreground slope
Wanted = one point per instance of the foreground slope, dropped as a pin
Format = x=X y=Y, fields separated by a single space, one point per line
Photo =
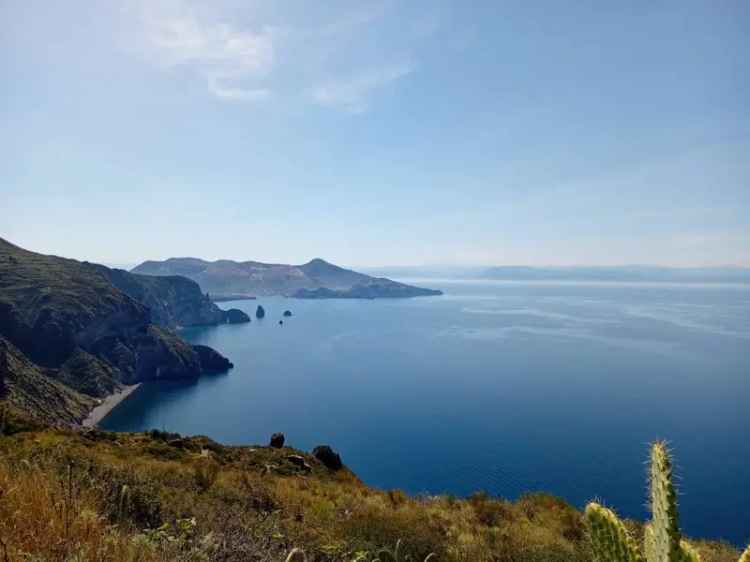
x=163 y=497
x=315 y=279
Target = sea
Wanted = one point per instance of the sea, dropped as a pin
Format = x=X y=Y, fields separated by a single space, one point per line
x=503 y=387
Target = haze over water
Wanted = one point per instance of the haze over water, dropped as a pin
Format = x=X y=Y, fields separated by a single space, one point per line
x=503 y=387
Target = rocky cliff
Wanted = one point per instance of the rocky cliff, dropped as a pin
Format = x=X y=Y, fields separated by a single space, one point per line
x=173 y=300
x=28 y=389
x=83 y=328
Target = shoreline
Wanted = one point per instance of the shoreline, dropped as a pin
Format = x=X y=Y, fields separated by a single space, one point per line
x=107 y=405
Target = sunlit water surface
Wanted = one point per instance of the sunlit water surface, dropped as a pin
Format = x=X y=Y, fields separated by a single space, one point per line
x=502 y=387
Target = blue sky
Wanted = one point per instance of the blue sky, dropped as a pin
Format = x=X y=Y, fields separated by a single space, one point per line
x=378 y=133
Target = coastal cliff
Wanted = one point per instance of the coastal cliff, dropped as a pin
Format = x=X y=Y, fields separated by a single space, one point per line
x=173 y=300
x=82 y=330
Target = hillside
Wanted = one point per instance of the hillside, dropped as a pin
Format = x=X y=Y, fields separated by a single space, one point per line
x=250 y=278
x=71 y=331
x=163 y=497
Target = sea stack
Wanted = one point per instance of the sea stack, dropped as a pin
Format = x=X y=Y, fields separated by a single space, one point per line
x=260 y=312
x=287 y=313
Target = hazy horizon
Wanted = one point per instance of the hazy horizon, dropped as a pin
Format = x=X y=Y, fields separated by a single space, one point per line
x=378 y=134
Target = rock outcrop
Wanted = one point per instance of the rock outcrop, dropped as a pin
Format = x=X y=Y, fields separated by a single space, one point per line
x=299 y=461
x=236 y=316
x=287 y=313
x=277 y=440
x=260 y=312
x=328 y=457
x=212 y=361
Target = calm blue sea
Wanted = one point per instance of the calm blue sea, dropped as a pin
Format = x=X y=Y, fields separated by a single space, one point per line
x=495 y=386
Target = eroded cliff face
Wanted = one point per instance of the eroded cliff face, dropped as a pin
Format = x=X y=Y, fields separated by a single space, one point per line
x=49 y=306
x=80 y=331
x=173 y=301
x=28 y=389
x=152 y=353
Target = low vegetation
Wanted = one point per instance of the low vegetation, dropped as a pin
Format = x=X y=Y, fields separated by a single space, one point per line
x=96 y=496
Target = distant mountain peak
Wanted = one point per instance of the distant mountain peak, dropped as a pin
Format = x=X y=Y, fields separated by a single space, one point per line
x=319 y=261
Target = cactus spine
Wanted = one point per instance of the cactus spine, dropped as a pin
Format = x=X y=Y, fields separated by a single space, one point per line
x=610 y=538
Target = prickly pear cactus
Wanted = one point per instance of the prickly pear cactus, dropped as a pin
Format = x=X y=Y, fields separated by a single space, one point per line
x=609 y=537
x=665 y=520
x=662 y=541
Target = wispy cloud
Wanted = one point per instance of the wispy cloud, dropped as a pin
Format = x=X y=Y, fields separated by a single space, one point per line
x=241 y=58
x=227 y=58
x=352 y=93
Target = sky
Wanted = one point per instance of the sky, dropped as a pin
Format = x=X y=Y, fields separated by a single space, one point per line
x=378 y=133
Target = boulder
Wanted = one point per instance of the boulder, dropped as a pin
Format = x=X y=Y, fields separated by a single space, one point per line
x=235 y=316
x=328 y=457
x=287 y=313
x=260 y=312
x=299 y=461
x=277 y=440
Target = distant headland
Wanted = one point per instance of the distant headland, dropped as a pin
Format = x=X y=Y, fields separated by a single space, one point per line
x=316 y=279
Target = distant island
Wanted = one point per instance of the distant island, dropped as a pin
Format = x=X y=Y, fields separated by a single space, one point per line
x=602 y=273
x=316 y=279
x=623 y=273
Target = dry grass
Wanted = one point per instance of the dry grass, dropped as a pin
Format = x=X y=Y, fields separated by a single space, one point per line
x=113 y=497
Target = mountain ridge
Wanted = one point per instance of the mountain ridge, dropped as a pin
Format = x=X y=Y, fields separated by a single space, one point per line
x=316 y=278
